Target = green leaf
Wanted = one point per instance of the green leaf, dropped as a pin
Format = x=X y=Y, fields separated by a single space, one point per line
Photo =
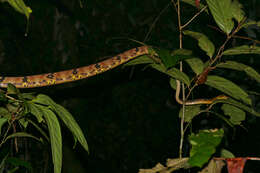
x=39 y=129
x=13 y=107
x=204 y=43
x=36 y=111
x=70 y=122
x=226 y=154
x=204 y=145
x=173 y=72
x=248 y=23
x=4 y=113
x=55 y=137
x=228 y=87
x=2 y=122
x=236 y=115
x=190 y=112
x=221 y=11
x=23 y=122
x=239 y=105
x=237 y=11
x=245 y=49
x=28 y=96
x=196 y=65
x=11 y=89
x=170 y=59
x=241 y=67
x=21 y=134
x=65 y=116
x=173 y=83
x=19 y=6
x=140 y=60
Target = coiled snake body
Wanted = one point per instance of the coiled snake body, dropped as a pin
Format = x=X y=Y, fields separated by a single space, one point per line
x=47 y=79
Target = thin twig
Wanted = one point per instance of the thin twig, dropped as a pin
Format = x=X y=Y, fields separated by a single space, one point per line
x=183 y=88
x=197 y=14
x=154 y=22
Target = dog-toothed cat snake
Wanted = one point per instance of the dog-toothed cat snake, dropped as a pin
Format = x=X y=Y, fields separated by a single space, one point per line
x=47 y=79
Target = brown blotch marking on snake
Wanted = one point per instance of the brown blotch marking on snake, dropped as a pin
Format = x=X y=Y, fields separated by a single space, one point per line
x=25 y=79
x=97 y=65
x=75 y=71
x=118 y=58
x=50 y=76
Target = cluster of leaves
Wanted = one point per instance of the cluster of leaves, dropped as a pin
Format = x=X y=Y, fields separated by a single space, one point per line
x=24 y=109
x=230 y=18
x=234 y=107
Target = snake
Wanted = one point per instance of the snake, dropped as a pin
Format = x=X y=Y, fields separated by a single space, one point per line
x=47 y=79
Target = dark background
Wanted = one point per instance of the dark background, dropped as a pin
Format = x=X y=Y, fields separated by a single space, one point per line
x=129 y=115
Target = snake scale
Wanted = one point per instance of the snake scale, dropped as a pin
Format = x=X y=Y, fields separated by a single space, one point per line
x=48 y=79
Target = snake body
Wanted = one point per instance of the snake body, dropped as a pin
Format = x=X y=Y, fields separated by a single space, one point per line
x=48 y=79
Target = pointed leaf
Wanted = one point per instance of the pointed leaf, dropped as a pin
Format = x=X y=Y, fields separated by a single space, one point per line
x=245 y=49
x=19 y=6
x=23 y=122
x=21 y=134
x=236 y=115
x=39 y=129
x=226 y=154
x=70 y=122
x=204 y=145
x=228 y=87
x=173 y=72
x=65 y=116
x=36 y=111
x=204 y=43
x=55 y=137
x=196 y=65
x=241 y=67
x=239 y=105
x=11 y=89
x=237 y=11
x=190 y=112
x=173 y=83
x=222 y=14
x=248 y=23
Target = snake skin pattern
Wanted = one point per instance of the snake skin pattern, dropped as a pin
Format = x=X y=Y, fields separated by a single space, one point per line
x=47 y=79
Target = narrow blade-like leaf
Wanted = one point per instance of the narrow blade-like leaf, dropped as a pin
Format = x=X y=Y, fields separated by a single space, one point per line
x=65 y=116
x=245 y=49
x=70 y=122
x=55 y=137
